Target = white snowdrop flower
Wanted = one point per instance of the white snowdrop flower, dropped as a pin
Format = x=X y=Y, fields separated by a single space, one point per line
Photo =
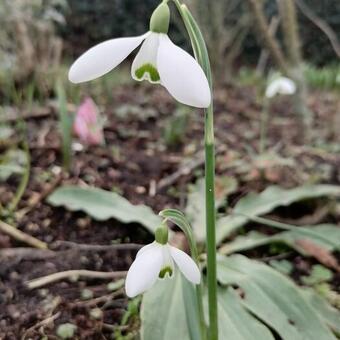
x=159 y=61
x=281 y=85
x=156 y=260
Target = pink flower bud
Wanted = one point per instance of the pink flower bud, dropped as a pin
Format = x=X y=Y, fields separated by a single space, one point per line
x=87 y=125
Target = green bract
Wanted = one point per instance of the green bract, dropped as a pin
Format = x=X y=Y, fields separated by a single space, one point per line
x=162 y=234
x=160 y=19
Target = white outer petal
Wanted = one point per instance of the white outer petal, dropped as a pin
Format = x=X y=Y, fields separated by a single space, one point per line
x=102 y=58
x=146 y=55
x=181 y=75
x=146 y=247
x=186 y=265
x=144 y=271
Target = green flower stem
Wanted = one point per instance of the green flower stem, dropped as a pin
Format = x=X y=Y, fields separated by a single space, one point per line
x=202 y=56
x=65 y=125
x=210 y=224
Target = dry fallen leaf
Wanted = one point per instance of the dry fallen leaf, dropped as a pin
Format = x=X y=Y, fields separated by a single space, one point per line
x=320 y=253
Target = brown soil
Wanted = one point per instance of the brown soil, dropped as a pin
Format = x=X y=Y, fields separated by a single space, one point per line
x=134 y=159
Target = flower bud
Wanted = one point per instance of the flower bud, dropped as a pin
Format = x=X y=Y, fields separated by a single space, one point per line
x=160 y=19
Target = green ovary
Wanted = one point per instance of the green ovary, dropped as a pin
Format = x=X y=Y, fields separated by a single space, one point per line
x=164 y=271
x=150 y=69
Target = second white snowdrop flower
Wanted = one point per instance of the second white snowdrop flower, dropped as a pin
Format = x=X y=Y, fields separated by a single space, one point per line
x=281 y=85
x=159 y=61
x=158 y=260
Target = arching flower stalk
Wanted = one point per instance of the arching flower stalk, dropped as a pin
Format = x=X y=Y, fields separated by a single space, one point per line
x=159 y=61
x=159 y=260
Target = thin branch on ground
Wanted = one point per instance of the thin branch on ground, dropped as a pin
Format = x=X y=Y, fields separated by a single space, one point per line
x=186 y=169
x=21 y=236
x=35 y=202
x=30 y=254
x=96 y=247
x=98 y=300
x=72 y=274
x=44 y=322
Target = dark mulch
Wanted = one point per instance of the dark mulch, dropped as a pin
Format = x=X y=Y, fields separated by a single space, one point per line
x=134 y=159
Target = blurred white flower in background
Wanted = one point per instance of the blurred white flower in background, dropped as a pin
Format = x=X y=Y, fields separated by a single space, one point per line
x=281 y=85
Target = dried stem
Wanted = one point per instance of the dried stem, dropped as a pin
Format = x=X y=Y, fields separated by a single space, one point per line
x=72 y=274
x=21 y=236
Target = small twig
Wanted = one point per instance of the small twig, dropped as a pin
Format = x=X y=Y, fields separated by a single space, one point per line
x=97 y=247
x=21 y=236
x=100 y=299
x=30 y=254
x=41 y=323
x=185 y=169
x=34 y=203
x=71 y=274
x=38 y=113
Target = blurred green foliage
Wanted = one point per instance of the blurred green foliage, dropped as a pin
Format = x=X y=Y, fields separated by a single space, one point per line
x=176 y=127
x=323 y=78
x=327 y=77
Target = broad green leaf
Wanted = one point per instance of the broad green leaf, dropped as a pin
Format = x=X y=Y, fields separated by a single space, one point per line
x=191 y=309
x=283 y=266
x=163 y=312
x=235 y=322
x=12 y=163
x=259 y=204
x=169 y=312
x=317 y=275
x=328 y=313
x=102 y=205
x=274 y=299
x=324 y=235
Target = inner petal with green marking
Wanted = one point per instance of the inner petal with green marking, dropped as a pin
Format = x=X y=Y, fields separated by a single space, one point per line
x=166 y=270
x=149 y=72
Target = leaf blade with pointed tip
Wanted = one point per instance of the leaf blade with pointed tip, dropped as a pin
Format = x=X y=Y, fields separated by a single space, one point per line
x=102 y=205
x=274 y=299
x=259 y=204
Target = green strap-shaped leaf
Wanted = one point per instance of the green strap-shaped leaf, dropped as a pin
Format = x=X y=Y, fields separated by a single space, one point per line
x=102 y=205
x=259 y=204
x=323 y=235
x=195 y=208
x=163 y=313
x=329 y=314
x=235 y=322
x=169 y=312
x=274 y=299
